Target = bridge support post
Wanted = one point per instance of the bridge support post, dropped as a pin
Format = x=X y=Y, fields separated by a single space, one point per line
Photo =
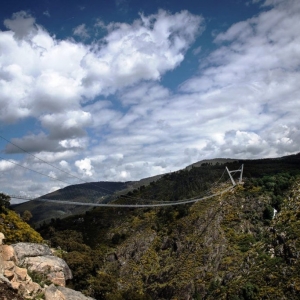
x=232 y=180
x=234 y=171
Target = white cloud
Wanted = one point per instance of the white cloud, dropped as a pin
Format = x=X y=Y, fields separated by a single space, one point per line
x=81 y=31
x=6 y=165
x=85 y=166
x=51 y=157
x=42 y=75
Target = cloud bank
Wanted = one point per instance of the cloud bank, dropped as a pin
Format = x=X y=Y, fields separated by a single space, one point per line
x=103 y=113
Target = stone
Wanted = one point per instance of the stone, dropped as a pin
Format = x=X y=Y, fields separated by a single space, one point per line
x=112 y=257
x=29 y=290
x=21 y=274
x=2 y=237
x=8 y=253
x=53 y=292
x=55 y=268
x=15 y=285
x=57 y=278
x=9 y=274
x=23 y=250
x=1 y=262
x=5 y=280
x=8 y=265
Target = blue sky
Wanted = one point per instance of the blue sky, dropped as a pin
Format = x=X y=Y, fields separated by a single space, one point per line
x=122 y=90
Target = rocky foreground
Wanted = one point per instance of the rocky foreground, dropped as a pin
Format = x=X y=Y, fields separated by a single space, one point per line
x=30 y=270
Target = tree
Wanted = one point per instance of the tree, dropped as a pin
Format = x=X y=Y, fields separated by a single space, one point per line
x=4 y=201
x=268 y=212
x=26 y=216
x=102 y=285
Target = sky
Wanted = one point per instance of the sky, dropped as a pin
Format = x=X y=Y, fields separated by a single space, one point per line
x=126 y=89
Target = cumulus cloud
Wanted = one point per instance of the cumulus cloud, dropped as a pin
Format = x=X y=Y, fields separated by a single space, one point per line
x=42 y=75
x=144 y=50
x=85 y=166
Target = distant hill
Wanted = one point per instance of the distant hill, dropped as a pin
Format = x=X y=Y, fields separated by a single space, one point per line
x=92 y=192
x=85 y=192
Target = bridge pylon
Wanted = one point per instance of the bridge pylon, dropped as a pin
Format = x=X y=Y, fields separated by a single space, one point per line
x=234 y=171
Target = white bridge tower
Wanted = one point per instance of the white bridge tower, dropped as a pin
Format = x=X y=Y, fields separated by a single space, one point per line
x=234 y=171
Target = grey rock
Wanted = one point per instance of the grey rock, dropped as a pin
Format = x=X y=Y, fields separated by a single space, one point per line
x=23 y=250
x=53 y=292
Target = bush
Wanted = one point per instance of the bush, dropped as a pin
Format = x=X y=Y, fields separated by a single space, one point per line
x=250 y=291
x=268 y=212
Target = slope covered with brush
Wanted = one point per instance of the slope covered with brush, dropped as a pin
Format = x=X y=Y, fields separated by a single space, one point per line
x=227 y=247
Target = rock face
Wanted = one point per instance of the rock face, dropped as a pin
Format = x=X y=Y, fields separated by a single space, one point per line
x=14 y=276
x=39 y=259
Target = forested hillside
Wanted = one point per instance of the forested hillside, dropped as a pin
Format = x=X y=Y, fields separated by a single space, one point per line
x=226 y=247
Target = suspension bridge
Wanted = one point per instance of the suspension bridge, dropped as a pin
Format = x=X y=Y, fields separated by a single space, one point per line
x=142 y=203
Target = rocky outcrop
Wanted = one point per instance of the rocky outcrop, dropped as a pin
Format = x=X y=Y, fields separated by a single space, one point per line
x=19 y=259
x=14 y=276
x=39 y=258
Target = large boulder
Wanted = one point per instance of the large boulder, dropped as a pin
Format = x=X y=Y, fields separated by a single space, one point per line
x=36 y=258
x=14 y=276
x=53 y=292
x=23 y=250
x=53 y=268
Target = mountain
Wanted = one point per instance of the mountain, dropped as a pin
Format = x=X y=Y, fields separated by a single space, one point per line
x=230 y=246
